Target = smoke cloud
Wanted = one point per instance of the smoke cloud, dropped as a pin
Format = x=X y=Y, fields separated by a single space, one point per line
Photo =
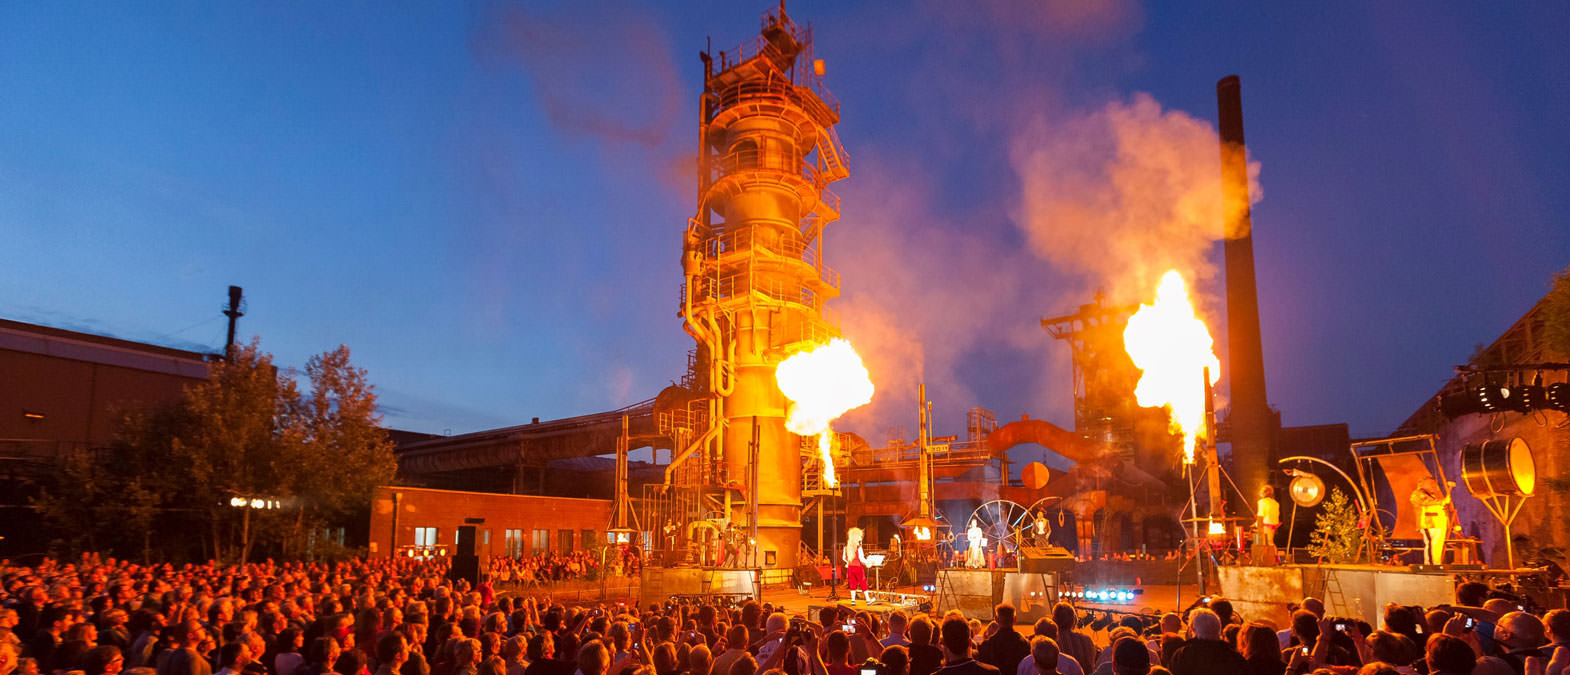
x=574 y=58
x=1123 y=194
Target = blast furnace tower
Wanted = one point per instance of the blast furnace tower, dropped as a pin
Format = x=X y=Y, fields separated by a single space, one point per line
x=755 y=280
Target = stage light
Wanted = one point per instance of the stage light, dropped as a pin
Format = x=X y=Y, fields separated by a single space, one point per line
x=1306 y=489
x=1527 y=397
x=1558 y=397
x=1217 y=528
x=1101 y=623
x=1491 y=398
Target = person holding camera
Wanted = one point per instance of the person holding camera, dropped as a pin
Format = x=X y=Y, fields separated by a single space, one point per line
x=1518 y=639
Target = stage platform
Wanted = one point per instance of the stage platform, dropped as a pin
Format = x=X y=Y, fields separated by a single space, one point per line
x=658 y=584
x=1354 y=591
x=975 y=592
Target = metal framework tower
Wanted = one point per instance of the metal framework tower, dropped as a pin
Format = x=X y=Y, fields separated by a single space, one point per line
x=755 y=281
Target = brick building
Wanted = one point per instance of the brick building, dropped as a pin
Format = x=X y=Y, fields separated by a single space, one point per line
x=409 y=518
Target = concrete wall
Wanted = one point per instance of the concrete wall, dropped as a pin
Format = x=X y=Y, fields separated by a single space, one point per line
x=446 y=510
x=1347 y=590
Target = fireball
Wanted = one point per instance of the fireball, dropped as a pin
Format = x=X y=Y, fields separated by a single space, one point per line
x=1172 y=348
x=822 y=384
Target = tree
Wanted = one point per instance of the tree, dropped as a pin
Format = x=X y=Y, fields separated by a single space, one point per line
x=104 y=500
x=246 y=435
x=238 y=434
x=343 y=452
x=1338 y=535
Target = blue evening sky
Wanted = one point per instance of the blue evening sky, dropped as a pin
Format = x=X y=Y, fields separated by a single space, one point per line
x=485 y=202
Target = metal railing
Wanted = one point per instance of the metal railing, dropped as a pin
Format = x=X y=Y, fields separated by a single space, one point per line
x=789 y=247
x=800 y=76
x=742 y=284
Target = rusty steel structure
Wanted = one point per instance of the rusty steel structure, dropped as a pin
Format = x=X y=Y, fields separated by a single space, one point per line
x=755 y=284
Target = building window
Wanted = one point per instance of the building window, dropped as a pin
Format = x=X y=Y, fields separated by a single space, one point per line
x=485 y=537
x=587 y=537
x=565 y=537
x=542 y=541
x=514 y=542
x=425 y=537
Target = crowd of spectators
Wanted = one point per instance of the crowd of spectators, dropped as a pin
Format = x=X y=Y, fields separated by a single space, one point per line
x=549 y=567
x=403 y=617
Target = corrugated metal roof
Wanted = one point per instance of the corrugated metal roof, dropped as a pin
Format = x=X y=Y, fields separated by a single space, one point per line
x=65 y=344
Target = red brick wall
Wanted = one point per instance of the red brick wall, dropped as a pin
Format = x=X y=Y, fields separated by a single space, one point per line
x=446 y=510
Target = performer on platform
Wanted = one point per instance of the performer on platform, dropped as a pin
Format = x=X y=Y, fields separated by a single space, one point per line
x=974 y=558
x=1042 y=530
x=1267 y=515
x=855 y=564
x=1433 y=518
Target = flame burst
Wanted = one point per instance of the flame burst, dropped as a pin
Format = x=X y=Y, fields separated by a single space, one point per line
x=1172 y=347
x=822 y=384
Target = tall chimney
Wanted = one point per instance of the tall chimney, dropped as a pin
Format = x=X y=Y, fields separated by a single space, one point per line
x=1249 y=416
x=234 y=311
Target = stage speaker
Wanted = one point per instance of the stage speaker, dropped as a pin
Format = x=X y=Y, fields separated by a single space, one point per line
x=466 y=541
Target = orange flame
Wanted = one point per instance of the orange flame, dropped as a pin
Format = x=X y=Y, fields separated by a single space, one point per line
x=823 y=383
x=1172 y=347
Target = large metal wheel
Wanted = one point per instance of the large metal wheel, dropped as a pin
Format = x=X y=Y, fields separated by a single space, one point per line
x=998 y=520
x=1045 y=504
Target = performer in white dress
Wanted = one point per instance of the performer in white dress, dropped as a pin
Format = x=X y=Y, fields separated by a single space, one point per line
x=973 y=556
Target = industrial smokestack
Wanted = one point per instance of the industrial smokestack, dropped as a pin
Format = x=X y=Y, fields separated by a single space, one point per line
x=234 y=311
x=1249 y=416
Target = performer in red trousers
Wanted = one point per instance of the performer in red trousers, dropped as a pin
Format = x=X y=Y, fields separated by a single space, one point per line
x=855 y=564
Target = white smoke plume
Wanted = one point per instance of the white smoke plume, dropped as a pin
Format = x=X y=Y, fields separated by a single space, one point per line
x=1123 y=194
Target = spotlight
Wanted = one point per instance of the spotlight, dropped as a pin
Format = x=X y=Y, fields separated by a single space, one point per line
x=1558 y=397
x=1491 y=398
x=1527 y=397
x=1306 y=490
x=1101 y=623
